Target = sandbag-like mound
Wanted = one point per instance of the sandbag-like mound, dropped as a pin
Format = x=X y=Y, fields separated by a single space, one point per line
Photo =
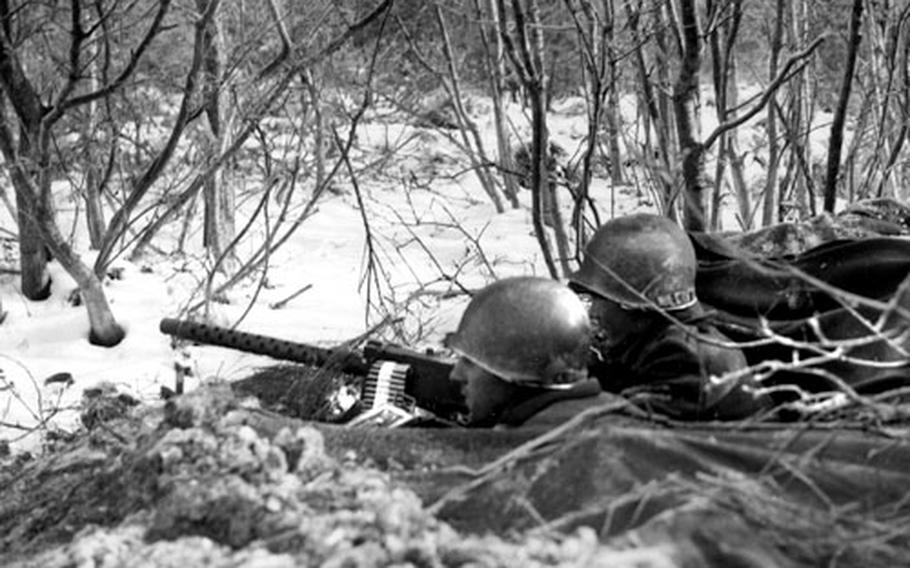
x=840 y=308
x=868 y=218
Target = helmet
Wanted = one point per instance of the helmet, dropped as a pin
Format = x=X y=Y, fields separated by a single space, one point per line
x=640 y=261
x=526 y=330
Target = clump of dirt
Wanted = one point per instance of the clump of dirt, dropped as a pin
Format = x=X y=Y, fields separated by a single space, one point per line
x=193 y=483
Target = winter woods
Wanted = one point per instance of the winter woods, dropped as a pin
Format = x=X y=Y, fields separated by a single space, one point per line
x=131 y=128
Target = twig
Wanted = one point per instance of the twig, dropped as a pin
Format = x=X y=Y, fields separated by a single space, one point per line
x=475 y=240
x=282 y=303
x=34 y=414
x=358 y=339
x=798 y=60
x=445 y=276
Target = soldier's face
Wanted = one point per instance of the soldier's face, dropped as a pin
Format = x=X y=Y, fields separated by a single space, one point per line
x=610 y=321
x=486 y=395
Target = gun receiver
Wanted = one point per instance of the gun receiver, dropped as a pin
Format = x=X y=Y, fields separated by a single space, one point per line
x=425 y=377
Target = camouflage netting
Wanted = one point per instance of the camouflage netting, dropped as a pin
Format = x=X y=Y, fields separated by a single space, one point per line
x=212 y=479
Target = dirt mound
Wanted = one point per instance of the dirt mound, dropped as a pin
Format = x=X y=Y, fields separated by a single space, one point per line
x=212 y=479
x=193 y=483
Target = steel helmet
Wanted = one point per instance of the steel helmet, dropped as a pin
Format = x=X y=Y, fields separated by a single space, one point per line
x=640 y=261
x=526 y=330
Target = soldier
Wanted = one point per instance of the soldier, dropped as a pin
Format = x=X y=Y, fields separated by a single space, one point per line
x=651 y=333
x=524 y=344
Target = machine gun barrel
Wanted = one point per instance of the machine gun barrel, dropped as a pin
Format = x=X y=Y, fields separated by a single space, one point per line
x=347 y=360
x=426 y=379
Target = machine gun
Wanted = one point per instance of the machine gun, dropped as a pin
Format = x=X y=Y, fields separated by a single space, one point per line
x=400 y=386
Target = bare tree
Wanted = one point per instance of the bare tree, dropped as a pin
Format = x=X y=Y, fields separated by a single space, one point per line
x=652 y=96
x=832 y=167
x=494 y=62
x=467 y=127
x=886 y=27
x=45 y=103
x=594 y=28
x=447 y=74
x=685 y=95
x=725 y=19
x=525 y=48
x=611 y=60
x=692 y=146
x=218 y=228
x=97 y=166
x=770 y=191
x=790 y=122
x=28 y=156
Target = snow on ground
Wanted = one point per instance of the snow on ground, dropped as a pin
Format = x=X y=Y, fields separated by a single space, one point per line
x=430 y=241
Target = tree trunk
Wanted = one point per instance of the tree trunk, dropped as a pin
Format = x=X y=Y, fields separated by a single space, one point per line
x=94 y=180
x=611 y=112
x=889 y=57
x=800 y=178
x=35 y=282
x=612 y=122
x=769 y=203
x=34 y=192
x=526 y=55
x=218 y=230
x=494 y=61
x=654 y=111
x=471 y=138
x=662 y=95
x=593 y=31
x=541 y=143
x=103 y=327
x=28 y=163
x=34 y=279
x=503 y=140
x=723 y=66
x=840 y=112
x=320 y=145
x=140 y=187
x=94 y=210
x=685 y=93
x=734 y=155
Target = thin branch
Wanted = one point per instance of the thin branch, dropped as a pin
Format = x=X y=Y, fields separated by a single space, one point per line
x=282 y=303
x=286 y=44
x=127 y=72
x=786 y=73
x=77 y=37
x=120 y=219
x=331 y=47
